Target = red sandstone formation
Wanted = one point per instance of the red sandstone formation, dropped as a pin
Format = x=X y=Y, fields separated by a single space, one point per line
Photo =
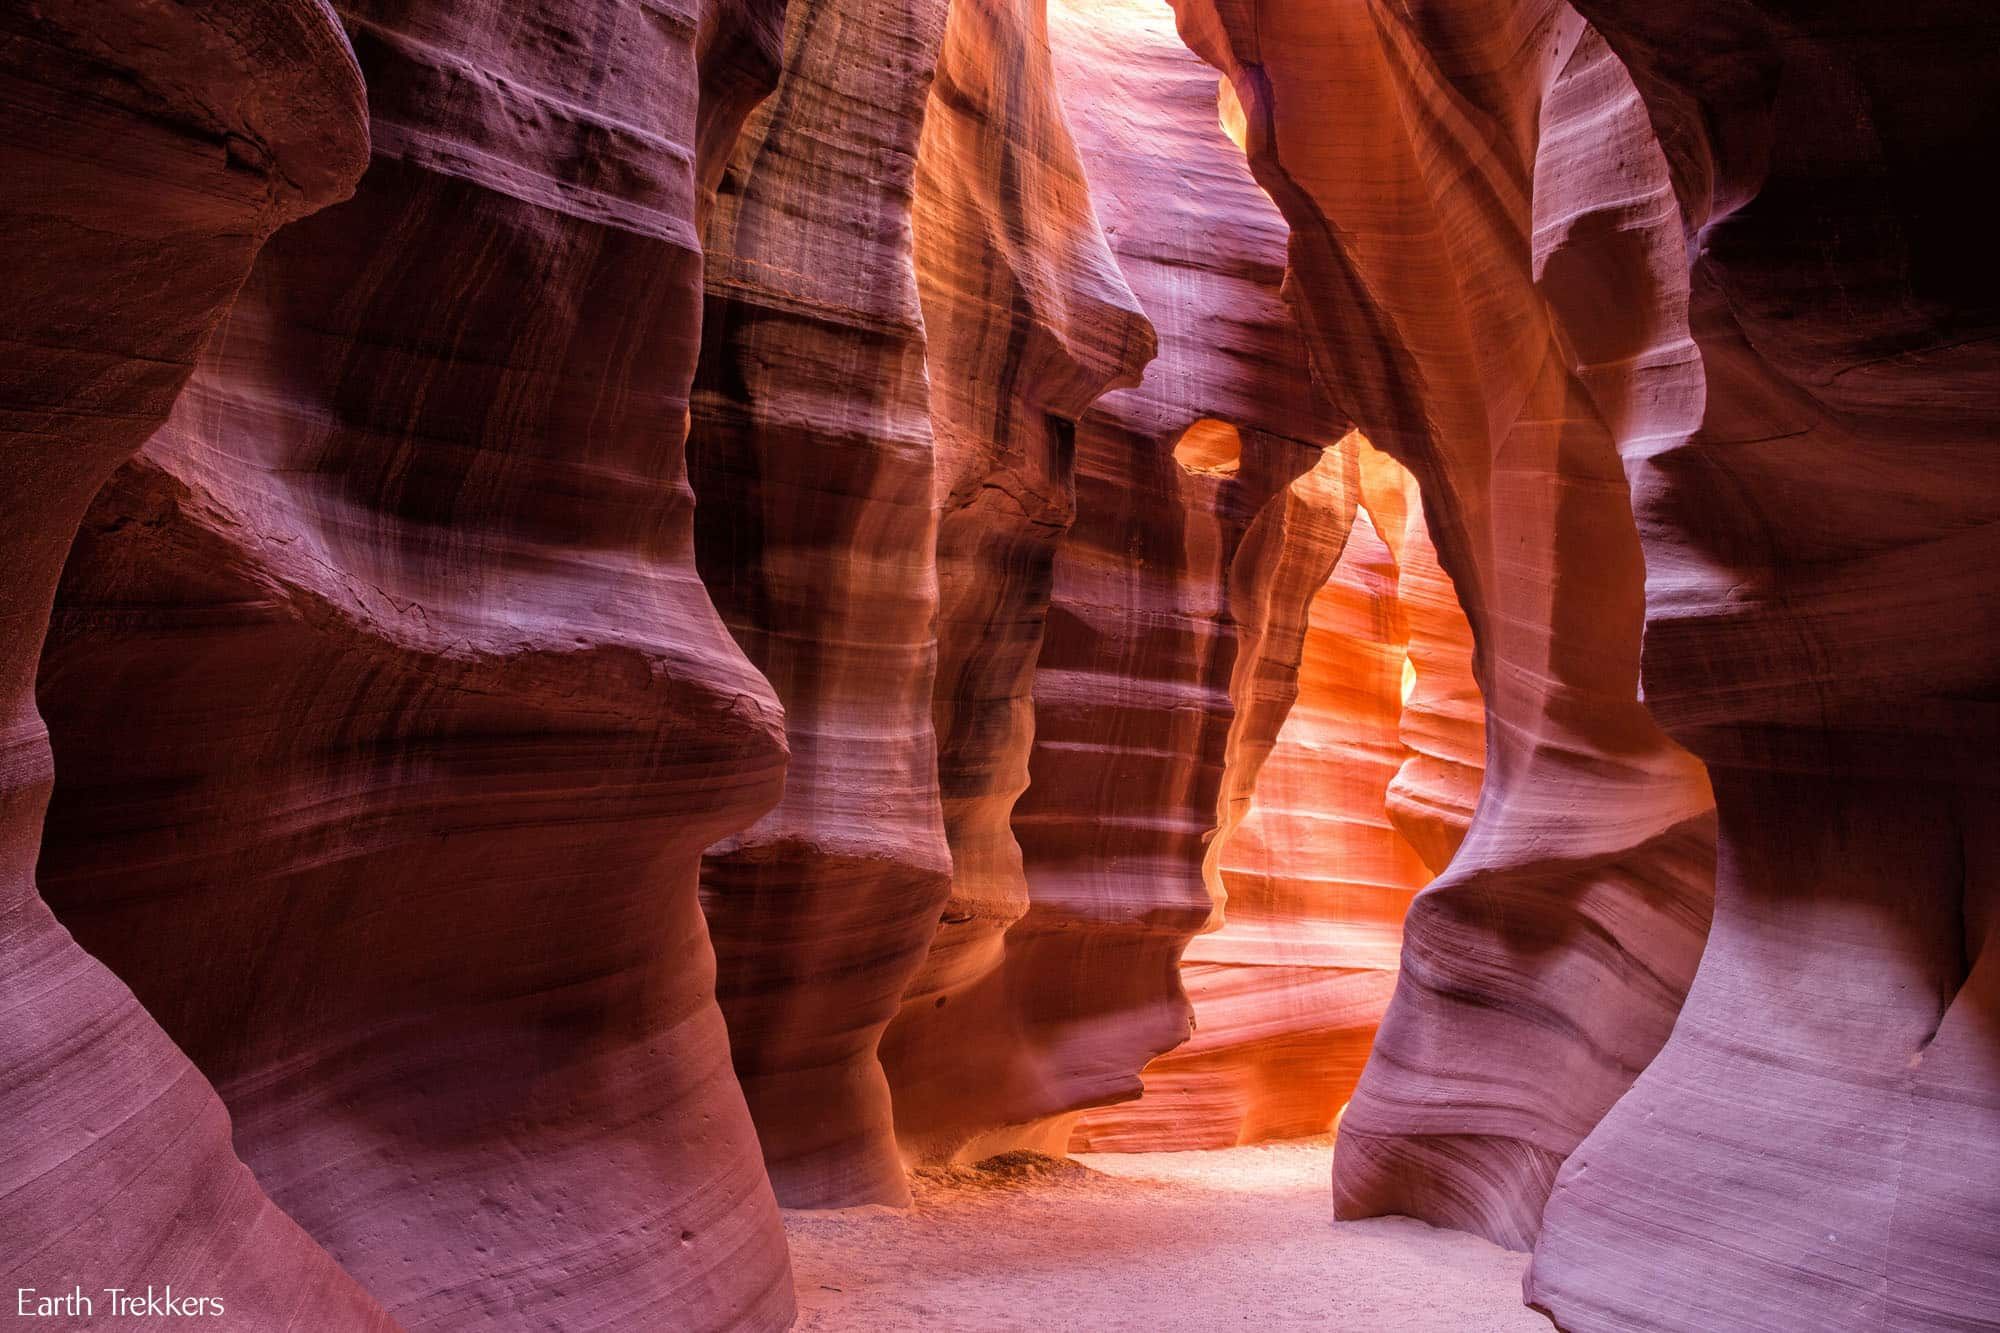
x=1132 y=711
x=1288 y=993
x=1739 y=252
x=148 y=152
x=1818 y=1145
x=1443 y=722
x=1028 y=319
x=1543 y=970
x=392 y=718
x=812 y=459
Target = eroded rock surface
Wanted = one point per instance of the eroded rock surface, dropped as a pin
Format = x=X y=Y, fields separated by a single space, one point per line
x=1564 y=933
x=393 y=718
x=398 y=746
x=148 y=152
x=813 y=462
x=1816 y=1145
x=1028 y=320
x=1818 y=610
x=1157 y=583
x=1287 y=995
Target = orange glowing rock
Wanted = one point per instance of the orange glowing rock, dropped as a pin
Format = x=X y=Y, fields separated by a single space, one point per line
x=1287 y=994
x=1566 y=928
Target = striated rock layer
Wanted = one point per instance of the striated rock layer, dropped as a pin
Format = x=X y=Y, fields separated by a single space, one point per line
x=1545 y=968
x=1027 y=320
x=391 y=717
x=1288 y=993
x=1131 y=688
x=1442 y=725
x=148 y=152
x=1818 y=1145
x=813 y=462
x=356 y=903
x=1721 y=241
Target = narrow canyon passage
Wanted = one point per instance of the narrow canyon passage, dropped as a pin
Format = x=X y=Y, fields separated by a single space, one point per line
x=723 y=665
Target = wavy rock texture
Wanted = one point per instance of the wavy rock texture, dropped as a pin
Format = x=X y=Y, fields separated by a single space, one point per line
x=149 y=151
x=1818 y=1145
x=1132 y=707
x=389 y=719
x=1543 y=971
x=1288 y=994
x=1028 y=320
x=392 y=718
x=1740 y=250
x=812 y=459
x=1133 y=711
x=1285 y=558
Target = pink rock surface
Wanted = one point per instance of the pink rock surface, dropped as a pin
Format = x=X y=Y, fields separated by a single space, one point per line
x=1152 y=585
x=813 y=462
x=356 y=904
x=1432 y=798
x=1133 y=709
x=1809 y=1149
x=148 y=152
x=1816 y=1144
x=392 y=718
x=1562 y=937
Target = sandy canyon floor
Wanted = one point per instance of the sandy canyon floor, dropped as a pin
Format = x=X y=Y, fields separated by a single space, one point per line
x=1242 y=1238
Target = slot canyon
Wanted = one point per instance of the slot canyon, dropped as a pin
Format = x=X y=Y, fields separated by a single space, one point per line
x=714 y=665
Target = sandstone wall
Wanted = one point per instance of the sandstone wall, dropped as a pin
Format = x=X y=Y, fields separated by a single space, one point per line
x=148 y=153
x=1541 y=972
x=1821 y=628
x=468 y=874
x=813 y=462
x=1715 y=241
x=1029 y=319
x=393 y=717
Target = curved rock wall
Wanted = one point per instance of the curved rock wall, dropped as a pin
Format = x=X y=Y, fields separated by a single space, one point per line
x=392 y=717
x=1028 y=319
x=1564 y=933
x=389 y=716
x=1442 y=725
x=813 y=464
x=1816 y=1145
x=1131 y=689
x=148 y=151
x=1288 y=993
x=1736 y=238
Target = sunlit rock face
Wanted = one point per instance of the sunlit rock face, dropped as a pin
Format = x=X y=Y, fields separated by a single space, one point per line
x=1319 y=875
x=1818 y=1145
x=1543 y=970
x=1442 y=726
x=148 y=152
x=1027 y=320
x=813 y=463
x=1728 y=250
x=392 y=718
x=1152 y=591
